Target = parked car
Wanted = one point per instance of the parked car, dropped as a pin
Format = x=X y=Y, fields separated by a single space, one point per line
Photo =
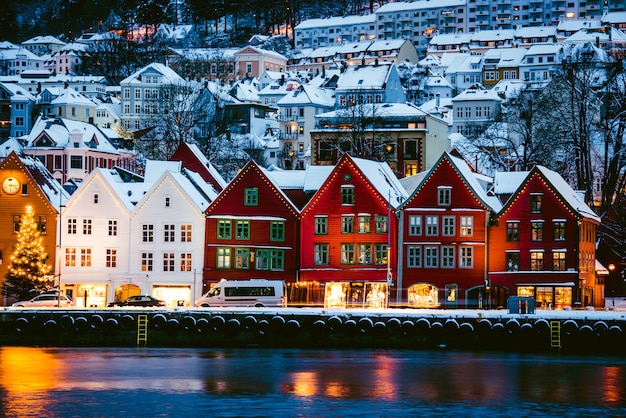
x=141 y=300
x=45 y=300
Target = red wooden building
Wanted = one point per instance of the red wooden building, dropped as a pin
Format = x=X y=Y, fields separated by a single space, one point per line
x=443 y=236
x=251 y=231
x=346 y=230
x=192 y=159
x=542 y=243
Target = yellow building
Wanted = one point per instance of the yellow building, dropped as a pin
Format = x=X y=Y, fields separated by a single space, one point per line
x=25 y=182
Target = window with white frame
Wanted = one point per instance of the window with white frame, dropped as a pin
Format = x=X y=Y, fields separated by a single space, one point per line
x=432 y=225
x=87 y=226
x=447 y=257
x=111 y=258
x=146 y=261
x=168 y=261
x=414 y=256
x=466 y=257
x=444 y=194
x=415 y=225
x=185 y=233
x=169 y=234
x=185 y=262
x=447 y=226
x=467 y=226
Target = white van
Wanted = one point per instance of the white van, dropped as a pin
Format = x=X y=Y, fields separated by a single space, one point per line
x=255 y=292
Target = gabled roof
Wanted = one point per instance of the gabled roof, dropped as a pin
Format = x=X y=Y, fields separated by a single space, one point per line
x=252 y=168
x=170 y=76
x=49 y=186
x=376 y=173
x=305 y=94
x=62 y=133
x=204 y=168
x=468 y=177
x=556 y=183
x=364 y=77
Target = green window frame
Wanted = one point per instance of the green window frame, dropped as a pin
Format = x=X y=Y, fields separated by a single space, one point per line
x=242 y=258
x=262 y=259
x=224 y=229
x=347 y=195
x=320 y=254
x=251 y=196
x=223 y=257
x=321 y=225
x=277 y=231
x=277 y=260
x=242 y=229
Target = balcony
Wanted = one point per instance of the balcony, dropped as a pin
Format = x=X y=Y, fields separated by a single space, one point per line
x=285 y=136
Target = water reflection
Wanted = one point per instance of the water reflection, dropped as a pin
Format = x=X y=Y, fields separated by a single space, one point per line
x=57 y=382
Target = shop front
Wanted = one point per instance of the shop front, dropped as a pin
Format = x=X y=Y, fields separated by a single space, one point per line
x=549 y=295
x=87 y=295
x=173 y=295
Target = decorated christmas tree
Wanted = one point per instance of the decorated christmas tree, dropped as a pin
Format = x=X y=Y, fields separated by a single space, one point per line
x=28 y=273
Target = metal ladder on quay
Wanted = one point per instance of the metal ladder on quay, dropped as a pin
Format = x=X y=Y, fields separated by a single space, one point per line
x=142 y=330
x=555 y=334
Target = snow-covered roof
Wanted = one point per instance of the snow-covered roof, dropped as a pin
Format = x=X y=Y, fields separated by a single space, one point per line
x=493 y=35
x=18 y=53
x=70 y=96
x=315 y=177
x=383 y=179
x=360 y=77
x=46 y=39
x=286 y=179
x=170 y=76
x=18 y=93
x=205 y=161
x=423 y=4
x=572 y=197
x=451 y=39
x=567 y=25
x=385 y=110
x=507 y=182
x=535 y=31
x=543 y=49
x=65 y=132
x=155 y=168
x=472 y=94
x=386 y=44
x=206 y=54
x=336 y=21
x=305 y=94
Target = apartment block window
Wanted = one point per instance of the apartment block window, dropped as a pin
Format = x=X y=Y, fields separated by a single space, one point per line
x=382 y=224
x=251 y=196
x=347 y=253
x=536 y=203
x=447 y=226
x=111 y=258
x=168 y=262
x=185 y=233
x=414 y=257
x=431 y=257
x=447 y=257
x=242 y=230
x=365 y=253
x=147 y=233
x=536 y=260
x=146 y=261
x=347 y=195
x=223 y=258
x=467 y=226
x=415 y=225
x=320 y=254
x=224 y=228
x=242 y=258
x=558 y=260
x=347 y=224
x=321 y=225
x=512 y=231
x=432 y=225
x=444 y=195
x=466 y=257
x=112 y=228
x=277 y=231
x=364 y=224
x=169 y=232
x=185 y=262
x=536 y=231
x=558 y=229
x=70 y=257
x=86 y=226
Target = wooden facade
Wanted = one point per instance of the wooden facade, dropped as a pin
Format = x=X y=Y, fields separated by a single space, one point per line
x=251 y=231
x=444 y=239
x=542 y=244
x=348 y=225
x=34 y=187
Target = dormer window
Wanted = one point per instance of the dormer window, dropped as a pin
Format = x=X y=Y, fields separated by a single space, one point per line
x=444 y=195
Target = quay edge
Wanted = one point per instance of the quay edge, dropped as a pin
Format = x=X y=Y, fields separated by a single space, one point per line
x=586 y=332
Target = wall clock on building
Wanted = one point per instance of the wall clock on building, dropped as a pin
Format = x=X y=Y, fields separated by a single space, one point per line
x=10 y=185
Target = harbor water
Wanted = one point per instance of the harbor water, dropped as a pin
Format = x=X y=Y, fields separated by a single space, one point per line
x=265 y=382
